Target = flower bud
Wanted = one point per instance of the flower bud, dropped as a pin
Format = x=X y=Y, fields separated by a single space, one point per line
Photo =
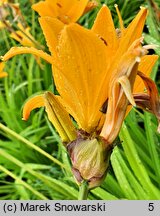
x=90 y=159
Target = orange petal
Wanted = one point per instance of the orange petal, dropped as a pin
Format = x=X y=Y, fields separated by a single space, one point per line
x=133 y=32
x=3 y=74
x=76 y=10
x=135 y=28
x=64 y=10
x=31 y=104
x=51 y=29
x=146 y=65
x=1 y=66
x=24 y=50
x=56 y=114
x=45 y=8
x=104 y=27
x=81 y=74
x=15 y=36
x=23 y=35
x=59 y=117
x=71 y=12
x=120 y=66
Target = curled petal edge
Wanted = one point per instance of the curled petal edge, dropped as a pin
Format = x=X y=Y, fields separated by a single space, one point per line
x=26 y=50
x=149 y=101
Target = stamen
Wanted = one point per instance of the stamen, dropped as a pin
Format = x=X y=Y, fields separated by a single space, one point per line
x=120 y=18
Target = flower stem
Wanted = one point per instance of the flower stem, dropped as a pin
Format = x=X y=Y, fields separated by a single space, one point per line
x=83 y=191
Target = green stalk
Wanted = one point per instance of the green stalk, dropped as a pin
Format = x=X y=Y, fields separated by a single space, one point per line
x=33 y=20
x=30 y=76
x=5 y=39
x=152 y=144
x=41 y=196
x=152 y=22
x=83 y=191
x=48 y=181
x=137 y=165
x=31 y=145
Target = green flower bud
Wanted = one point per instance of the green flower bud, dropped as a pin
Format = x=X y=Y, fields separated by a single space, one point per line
x=90 y=159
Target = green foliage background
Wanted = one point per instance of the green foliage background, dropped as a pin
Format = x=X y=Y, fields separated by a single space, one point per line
x=33 y=161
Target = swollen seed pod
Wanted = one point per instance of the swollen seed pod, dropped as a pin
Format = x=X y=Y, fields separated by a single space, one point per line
x=90 y=159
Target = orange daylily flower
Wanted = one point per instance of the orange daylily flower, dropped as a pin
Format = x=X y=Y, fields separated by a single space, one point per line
x=64 y=10
x=92 y=66
x=2 y=73
x=95 y=74
x=23 y=36
x=117 y=103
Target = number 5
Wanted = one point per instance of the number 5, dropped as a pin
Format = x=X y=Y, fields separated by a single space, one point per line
x=151 y=206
